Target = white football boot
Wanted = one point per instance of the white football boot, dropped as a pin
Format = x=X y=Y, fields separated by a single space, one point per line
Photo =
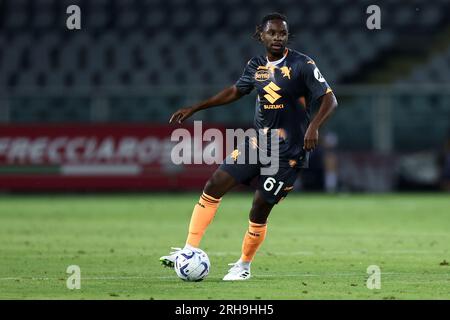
x=169 y=260
x=238 y=271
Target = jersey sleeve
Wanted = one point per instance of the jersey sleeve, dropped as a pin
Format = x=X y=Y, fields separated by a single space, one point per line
x=245 y=82
x=314 y=81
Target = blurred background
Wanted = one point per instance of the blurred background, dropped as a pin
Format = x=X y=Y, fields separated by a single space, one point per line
x=88 y=109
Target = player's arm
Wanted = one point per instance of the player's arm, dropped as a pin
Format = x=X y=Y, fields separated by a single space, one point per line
x=225 y=96
x=328 y=104
x=319 y=91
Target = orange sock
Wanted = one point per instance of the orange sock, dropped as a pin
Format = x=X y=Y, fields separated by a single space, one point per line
x=202 y=216
x=252 y=240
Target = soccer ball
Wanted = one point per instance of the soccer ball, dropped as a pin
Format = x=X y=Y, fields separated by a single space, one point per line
x=192 y=265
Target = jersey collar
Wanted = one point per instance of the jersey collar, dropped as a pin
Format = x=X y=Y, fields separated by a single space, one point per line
x=274 y=63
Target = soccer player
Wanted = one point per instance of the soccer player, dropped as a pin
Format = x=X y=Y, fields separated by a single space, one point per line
x=281 y=77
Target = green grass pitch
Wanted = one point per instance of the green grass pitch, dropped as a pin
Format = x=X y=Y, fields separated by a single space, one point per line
x=317 y=247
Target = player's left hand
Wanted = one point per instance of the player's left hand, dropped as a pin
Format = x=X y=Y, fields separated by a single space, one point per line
x=311 y=138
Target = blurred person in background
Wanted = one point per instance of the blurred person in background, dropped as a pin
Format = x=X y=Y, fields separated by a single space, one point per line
x=329 y=143
x=445 y=165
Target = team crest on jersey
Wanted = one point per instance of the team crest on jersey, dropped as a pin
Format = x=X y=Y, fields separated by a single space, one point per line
x=286 y=72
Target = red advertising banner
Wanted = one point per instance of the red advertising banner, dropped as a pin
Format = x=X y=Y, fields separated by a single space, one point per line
x=96 y=157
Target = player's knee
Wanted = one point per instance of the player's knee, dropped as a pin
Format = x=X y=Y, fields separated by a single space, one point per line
x=210 y=187
x=260 y=210
x=217 y=185
x=258 y=218
x=259 y=215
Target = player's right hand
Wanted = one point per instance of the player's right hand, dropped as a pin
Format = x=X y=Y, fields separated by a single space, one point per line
x=181 y=115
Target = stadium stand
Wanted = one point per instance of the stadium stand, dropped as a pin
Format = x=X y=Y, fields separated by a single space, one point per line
x=155 y=46
x=435 y=71
x=142 y=38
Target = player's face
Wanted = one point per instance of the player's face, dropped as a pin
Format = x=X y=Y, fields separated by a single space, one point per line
x=275 y=37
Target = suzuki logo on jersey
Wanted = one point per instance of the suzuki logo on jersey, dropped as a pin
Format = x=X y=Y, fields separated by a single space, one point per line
x=272 y=94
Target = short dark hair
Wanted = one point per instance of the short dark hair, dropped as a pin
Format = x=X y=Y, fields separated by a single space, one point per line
x=271 y=16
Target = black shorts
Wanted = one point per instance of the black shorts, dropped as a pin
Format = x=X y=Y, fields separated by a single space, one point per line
x=273 y=187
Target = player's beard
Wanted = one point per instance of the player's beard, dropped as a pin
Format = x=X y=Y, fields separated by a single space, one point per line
x=277 y=53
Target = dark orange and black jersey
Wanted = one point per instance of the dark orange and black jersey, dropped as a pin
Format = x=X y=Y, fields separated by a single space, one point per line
x=279 y=85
